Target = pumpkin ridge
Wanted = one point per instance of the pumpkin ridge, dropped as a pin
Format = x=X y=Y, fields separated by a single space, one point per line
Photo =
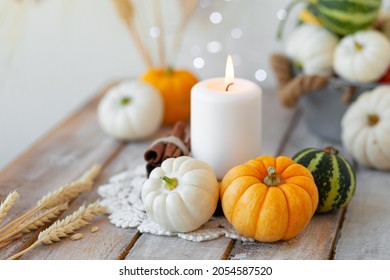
x=198 y=189
x=155 y=207
x=380 y=143
x=191 y=214
x=176 y=198
x=237 y=202
x=288 y=213
x=208 y=190
x=363 y=137
x=380 y=146
x=303 y=172
x=314 y=205
x=237 y=186
x=261 y=176
x=260 y=208
x=264 y=161
x=288 y=207
x=282 y=162
x=227 y=181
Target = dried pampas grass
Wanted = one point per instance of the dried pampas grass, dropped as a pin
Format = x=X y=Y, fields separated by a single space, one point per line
x=125 y=11
x=187 y=8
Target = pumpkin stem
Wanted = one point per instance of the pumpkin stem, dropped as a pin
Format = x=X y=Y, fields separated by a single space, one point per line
x=272 y=179
x=170 y=183
x=331 y=150
x=125 y=100
x=298 y=65
x=170 y=71
x=358 y=46
x=373 y=119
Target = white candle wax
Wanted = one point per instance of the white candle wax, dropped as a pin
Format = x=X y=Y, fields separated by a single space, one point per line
x=225 y=125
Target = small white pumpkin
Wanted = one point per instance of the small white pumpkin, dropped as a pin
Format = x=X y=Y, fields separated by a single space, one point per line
x=182 y=194
x=362 y=57
x=366 y=128
x=131 y=110
x=311 y=47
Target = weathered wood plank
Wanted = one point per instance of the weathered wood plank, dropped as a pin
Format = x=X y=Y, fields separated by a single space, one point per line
x=161 y=247
x=318 y=239
x=58 y=158
x=172 y=248
x=365 y=231
x=112 y=241
x=275 y=124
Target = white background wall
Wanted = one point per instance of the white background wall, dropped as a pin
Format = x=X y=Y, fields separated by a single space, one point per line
x=55 y=54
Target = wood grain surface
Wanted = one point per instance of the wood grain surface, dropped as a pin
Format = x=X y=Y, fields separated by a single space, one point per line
x=61 y=156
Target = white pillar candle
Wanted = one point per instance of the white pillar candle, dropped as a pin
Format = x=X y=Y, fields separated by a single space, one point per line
x=225 y=124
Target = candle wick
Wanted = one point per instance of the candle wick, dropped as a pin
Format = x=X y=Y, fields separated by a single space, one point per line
x=227 y=87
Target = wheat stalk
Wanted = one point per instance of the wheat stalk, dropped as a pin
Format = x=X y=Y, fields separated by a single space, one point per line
x=7 y=204
x=60 y=196
x=33 y=223
x=41 y=219
x=72 y=190
x=125 y=10
x=65 y=227
x=8 y=241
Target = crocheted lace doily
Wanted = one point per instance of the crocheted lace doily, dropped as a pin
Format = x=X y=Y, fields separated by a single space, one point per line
x=122 y=196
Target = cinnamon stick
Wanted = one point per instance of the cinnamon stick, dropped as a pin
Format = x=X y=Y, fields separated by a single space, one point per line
x=161 y=151
x=171 y=149
x=154 y=154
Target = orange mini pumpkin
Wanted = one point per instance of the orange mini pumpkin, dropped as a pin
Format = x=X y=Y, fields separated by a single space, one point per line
x=175 y=88
x=269 y=199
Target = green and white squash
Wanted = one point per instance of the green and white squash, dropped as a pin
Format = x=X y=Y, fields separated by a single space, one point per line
x=341 y=17
x=333 y=175
x=345 y=16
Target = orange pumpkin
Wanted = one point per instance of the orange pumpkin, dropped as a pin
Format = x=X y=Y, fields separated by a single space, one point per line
x=175 y=88
x=269 y=199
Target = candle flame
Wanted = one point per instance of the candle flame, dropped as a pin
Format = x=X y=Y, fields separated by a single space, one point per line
x=229 y=72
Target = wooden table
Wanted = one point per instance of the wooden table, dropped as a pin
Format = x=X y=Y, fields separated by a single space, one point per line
x=360 y=231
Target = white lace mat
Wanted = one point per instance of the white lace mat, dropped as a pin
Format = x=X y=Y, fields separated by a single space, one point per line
x=122 y=196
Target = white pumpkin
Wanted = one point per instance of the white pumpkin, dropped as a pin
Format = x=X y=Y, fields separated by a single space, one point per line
x=131 y=110
x=182 y=194
x=366 y=128
x=363 y=56
x=311 y=47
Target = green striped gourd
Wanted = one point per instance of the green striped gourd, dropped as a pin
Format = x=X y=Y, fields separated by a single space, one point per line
x=345 y=16
x=333 y=175
x=341 y=17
